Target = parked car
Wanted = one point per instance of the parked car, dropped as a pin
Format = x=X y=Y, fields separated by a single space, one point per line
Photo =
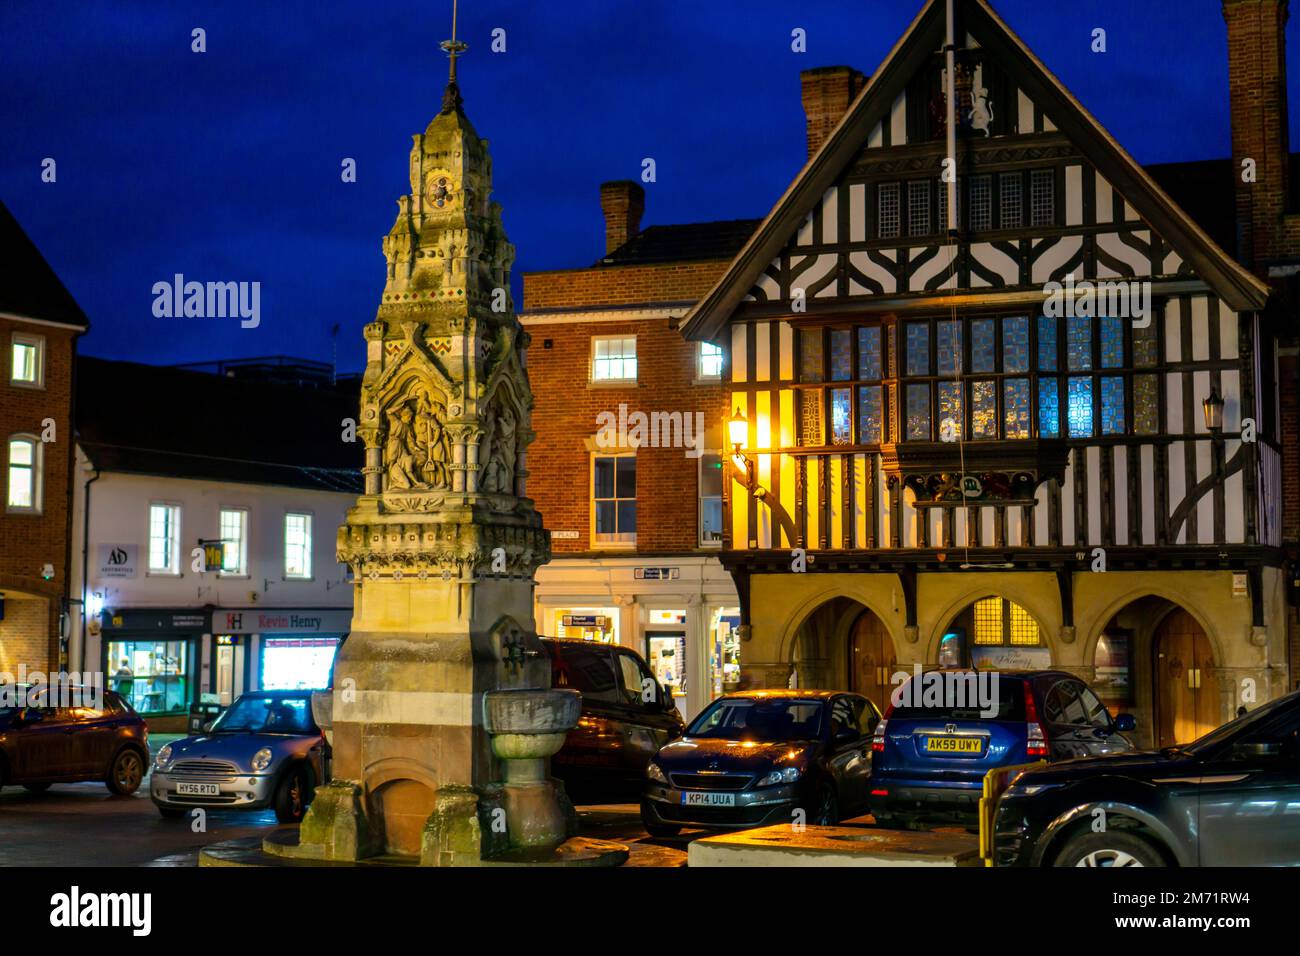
x=1228 y=799
x=626 y=717
x=264 y=751
x=42 y=745
x=754 y=758
x=931 y=751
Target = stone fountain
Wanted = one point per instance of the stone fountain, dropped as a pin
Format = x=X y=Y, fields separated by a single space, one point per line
x=442 y=718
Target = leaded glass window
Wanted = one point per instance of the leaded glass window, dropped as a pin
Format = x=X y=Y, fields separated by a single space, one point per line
x=1049 y=408
x=1015 y=344
x=951 y=419
x=918 y=348
x=1146 y=404
x=871 y=418
x=1112 y=342
x=981 y=203
x=918 y=413
x=1042 y=198
x=1146 y=346
x=1015 y=407
x=1078 y=343
x=1079 y=409
x=1010 y=200
x=841 y=416
x=984 y=409
x=918 y=207
x=983 y=346
x=869 y=357
x=810 y=417
x=887 y=219
x=1112 y=405
x=1047 y=347
x=810 y=355
x=841 y=355
x=948 y=354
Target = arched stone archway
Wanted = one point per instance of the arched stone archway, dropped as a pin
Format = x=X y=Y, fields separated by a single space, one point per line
x=842 y=643
x=990 y=627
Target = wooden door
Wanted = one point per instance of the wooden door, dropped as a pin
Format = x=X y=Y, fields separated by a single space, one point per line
x=1187 y=693
x=871 y=659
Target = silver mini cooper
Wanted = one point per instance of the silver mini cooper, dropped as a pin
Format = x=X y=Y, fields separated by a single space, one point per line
x=265 y=751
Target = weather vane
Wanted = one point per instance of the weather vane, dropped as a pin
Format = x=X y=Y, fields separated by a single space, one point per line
x=453 y=46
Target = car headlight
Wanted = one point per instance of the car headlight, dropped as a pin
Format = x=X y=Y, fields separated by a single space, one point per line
x=262 y=759
x=653 y=772
x=788 y=775
x=164 y=758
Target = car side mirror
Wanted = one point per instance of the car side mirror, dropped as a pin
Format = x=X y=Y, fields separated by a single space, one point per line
x=207 y=725
x=1256 y=750
x=666 y=697
x=1125 y=723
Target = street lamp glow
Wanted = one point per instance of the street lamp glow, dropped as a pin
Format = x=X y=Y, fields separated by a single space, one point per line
x=738 y=430
x=1213 y=406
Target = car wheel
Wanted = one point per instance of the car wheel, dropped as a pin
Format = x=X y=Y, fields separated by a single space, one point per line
x=828 y=813
x=658 y=830
x=172 y=813
x=291 y=797
x=1113 y=848
x=126 y=772
x=36 y=787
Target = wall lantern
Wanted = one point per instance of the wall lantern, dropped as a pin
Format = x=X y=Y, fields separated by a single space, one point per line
x=738 y=431
x=1213 y=406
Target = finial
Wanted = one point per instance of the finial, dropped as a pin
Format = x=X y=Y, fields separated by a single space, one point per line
x=451 y=99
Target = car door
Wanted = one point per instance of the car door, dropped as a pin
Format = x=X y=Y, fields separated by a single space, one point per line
x=1068 y=731
x=45 y=747
x=94 y=738
x=646 y=723
x=1249 y=803
x=590 y=762
x=1102 y=737
x=849 y=753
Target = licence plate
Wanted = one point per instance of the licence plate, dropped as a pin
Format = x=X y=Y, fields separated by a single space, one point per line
x=953 y=745
x=198 y=789
x=708 y=799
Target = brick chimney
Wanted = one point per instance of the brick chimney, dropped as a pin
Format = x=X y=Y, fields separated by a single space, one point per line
x=1257 y=100
x=622 y=202
x=827 y=93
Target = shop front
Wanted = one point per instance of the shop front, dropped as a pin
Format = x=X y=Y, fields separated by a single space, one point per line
x=276 y=648
x=152 y=658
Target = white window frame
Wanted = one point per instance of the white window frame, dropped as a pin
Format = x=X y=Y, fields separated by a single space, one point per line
x=623 y=360
x=625 y=539
x=700 y=374
x=38 y=343
x=720 y=498
x=38 y=474
x=241 y=567
x=310 y=545
x=173 y=571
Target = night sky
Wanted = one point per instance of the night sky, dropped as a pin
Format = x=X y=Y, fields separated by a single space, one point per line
x=225 y=165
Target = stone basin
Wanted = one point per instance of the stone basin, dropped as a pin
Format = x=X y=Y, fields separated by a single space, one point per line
x=532 y=711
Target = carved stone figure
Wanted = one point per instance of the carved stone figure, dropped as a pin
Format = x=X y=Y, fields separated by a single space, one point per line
x=400 y=451
x=498 y=452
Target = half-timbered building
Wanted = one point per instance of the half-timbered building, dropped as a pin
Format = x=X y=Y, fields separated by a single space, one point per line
x=1039 y=427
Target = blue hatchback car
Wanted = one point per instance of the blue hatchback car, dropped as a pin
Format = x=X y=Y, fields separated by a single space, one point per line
x=945 y=729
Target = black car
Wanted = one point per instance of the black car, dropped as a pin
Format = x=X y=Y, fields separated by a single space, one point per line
x=756 y=757
x=1232 y=798
x=945 y=729
x=626 y=717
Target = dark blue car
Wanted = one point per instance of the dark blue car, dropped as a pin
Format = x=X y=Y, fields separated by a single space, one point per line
x=945 y=729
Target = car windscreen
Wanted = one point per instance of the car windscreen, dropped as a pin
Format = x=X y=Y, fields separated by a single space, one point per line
x=765 y=721
x=267 y=715
x=959 y=695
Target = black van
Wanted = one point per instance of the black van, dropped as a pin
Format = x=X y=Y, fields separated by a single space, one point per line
x=626 y=717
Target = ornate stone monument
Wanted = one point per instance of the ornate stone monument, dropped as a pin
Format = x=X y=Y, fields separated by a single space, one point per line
x=443 y=543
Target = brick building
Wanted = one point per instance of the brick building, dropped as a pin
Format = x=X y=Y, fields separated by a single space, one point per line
x=890 y=552
x=39 y=326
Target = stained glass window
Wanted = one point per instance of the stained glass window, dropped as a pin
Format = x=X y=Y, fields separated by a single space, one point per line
x=1049 y=409
x=981 y=204
x=1146 y=346
x=1112 y=342
x=1078 y=343
x=841 y=416
x=810 y=355
x=1112 y=405
x=887 y=221
x=1042 y=198
x=1046 y=343
x=949 y=350
x=869 y=358
x=871 y=418
x=1022 y=628
x=1015 y=407
x=918 y=412
x=841 y=355
x=918 y=207
x=1015 y=344
x=943 y=205
x=951 y=419
x=1009 y=184
x=982 y=346
x=810 y=417
x=984 y=409
x=1146 y=404
x=1080 y=406
x=918 y=348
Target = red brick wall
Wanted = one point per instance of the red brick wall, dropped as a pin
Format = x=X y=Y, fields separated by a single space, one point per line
x=564 y=417
x=27 y=542
x=621 y=285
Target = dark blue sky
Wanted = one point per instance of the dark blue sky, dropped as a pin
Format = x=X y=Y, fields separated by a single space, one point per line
x=225 y=165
